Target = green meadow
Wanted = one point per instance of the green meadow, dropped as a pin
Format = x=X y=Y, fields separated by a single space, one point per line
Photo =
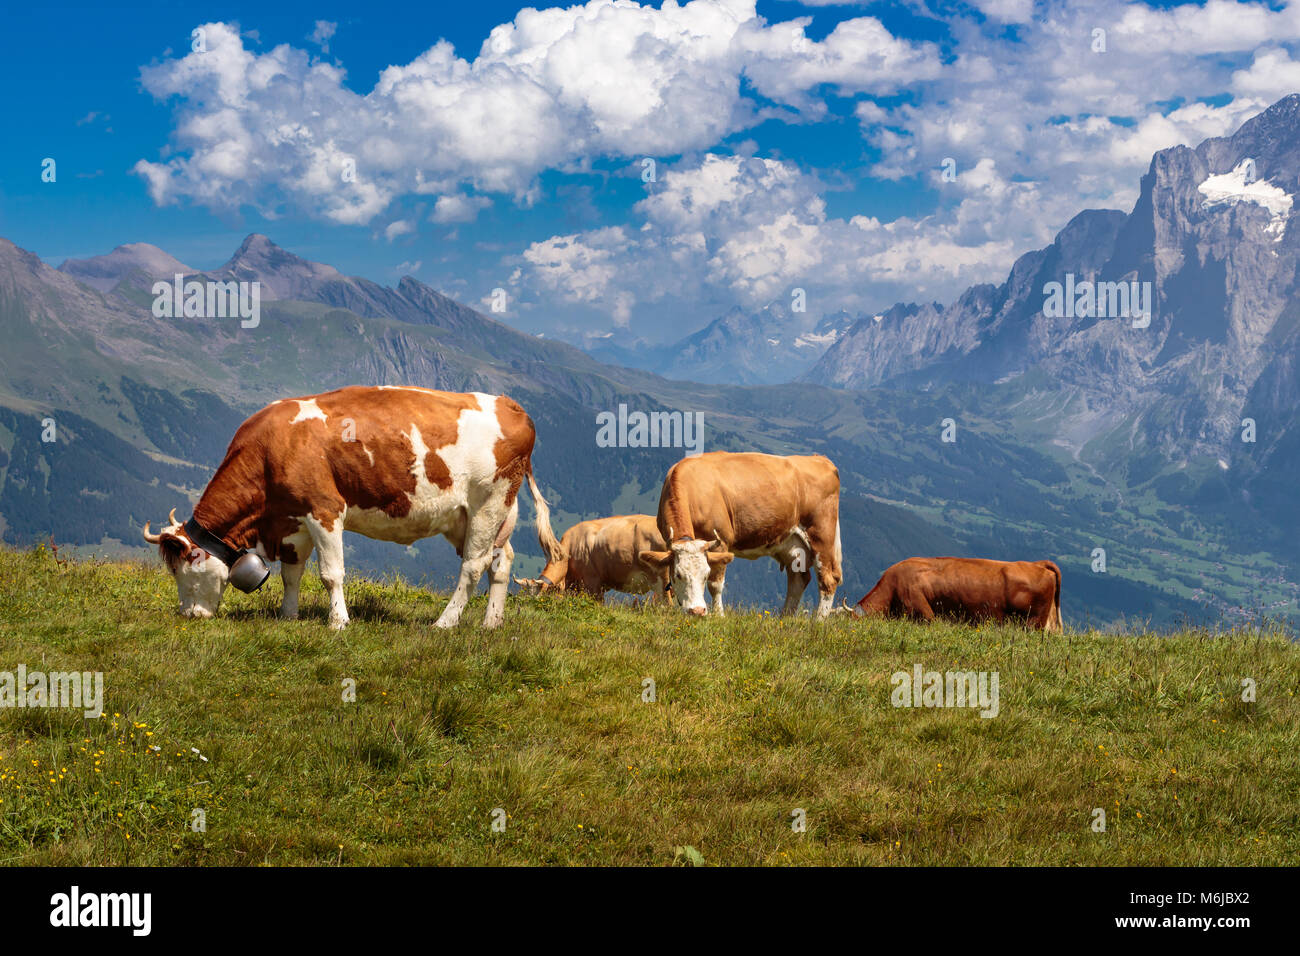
x=768 y=742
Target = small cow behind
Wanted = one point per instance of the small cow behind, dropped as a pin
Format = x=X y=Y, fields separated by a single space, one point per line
x=601 y=555
x=394 y=463
x=972 y=589
x=723 y=505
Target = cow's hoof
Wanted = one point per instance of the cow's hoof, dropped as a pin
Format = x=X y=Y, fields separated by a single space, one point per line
x=446 y=624
x=337 y=624
x=494 y=621
x=288 y=616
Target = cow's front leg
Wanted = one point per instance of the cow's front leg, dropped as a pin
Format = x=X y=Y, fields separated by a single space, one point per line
x=291 y=575
x=299 y=546
x=329 y=545
x=718 y=584
x=918 y=606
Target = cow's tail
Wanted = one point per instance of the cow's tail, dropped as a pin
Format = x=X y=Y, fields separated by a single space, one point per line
x=1054 y=621
x=545 y=536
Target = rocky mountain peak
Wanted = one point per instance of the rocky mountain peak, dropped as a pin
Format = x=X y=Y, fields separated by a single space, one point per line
x=106 y=271
x=282 y=274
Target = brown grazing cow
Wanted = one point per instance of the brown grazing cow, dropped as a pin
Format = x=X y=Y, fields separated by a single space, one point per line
x=601 y=555
x=724 y=505
x=973 y=589
x=394 y=463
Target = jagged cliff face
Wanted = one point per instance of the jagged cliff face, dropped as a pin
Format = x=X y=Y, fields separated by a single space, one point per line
x=1210 y=241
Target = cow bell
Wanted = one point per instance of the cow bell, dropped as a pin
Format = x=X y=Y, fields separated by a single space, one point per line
x=248 y=573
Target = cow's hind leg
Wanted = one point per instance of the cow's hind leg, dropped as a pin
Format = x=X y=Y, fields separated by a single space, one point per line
x=1040 y=615
x=291 y=571
x=503 y=555
x=797 y=563
x=329 y=545
x=476 y=557
x=498 y=583
x=824 y=536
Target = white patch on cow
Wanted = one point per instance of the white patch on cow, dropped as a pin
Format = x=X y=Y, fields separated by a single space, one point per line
x=307 y=410
x=421 y=452
x=473 y=454
x=471 y=462
x=369 y=454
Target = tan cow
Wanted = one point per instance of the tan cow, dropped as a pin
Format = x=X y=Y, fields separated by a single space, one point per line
x=393 y=463
x=601 y=555
x=972 y=589
x=723 y=505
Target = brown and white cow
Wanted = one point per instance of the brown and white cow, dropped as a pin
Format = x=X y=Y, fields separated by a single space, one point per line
x=394 y=463
x=723 y=505
x=972 y=589
x=601 y=555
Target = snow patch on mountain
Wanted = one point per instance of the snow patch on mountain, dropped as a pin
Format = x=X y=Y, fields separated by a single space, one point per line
x=816 y=340
x=1240 y=185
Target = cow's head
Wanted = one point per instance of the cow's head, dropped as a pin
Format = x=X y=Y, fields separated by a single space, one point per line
x=689 y=562
x=542 y=585
x=200 y=576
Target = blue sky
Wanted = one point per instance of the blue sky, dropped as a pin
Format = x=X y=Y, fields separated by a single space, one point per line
x=794 y=146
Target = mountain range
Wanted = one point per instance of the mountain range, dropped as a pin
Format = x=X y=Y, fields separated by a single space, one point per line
x=768 y=347
x=1011 y=423
x=1208 y=243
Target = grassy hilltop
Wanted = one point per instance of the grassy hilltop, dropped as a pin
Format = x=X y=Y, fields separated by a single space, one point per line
x=544 y=718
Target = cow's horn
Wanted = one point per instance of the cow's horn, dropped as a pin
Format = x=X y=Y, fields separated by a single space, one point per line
x=171 y=518
x=151 y=538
